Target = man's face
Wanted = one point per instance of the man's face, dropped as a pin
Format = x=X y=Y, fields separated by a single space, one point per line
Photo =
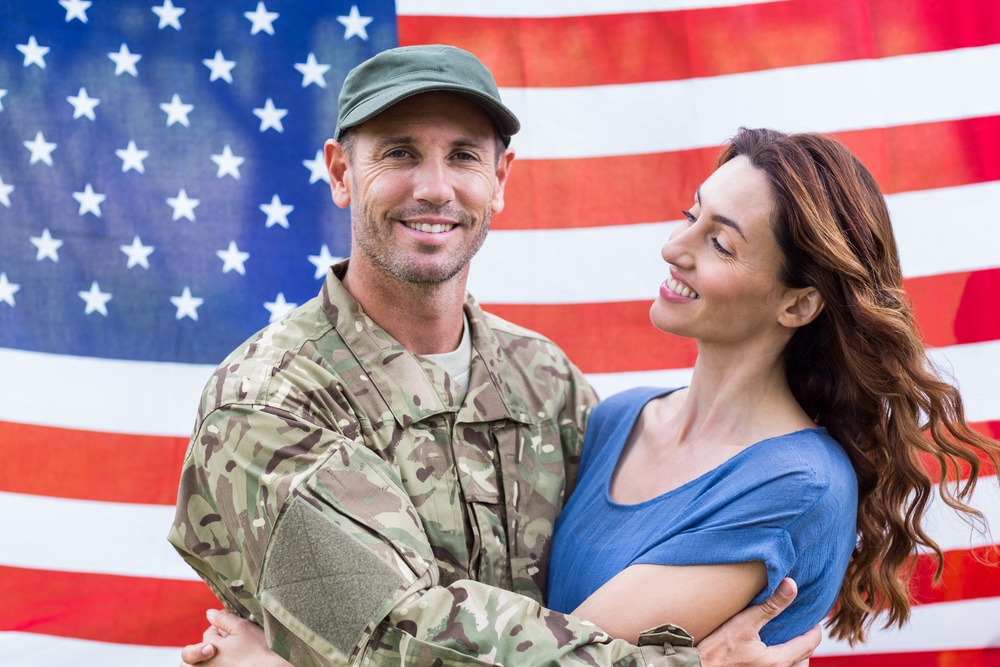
x=422 y=179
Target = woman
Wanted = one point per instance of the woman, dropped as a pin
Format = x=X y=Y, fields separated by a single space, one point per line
x=799 y=448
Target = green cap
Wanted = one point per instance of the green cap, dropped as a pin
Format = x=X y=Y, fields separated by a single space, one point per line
x=393 y=75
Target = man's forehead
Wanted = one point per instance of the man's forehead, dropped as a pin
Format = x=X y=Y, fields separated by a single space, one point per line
x=433 y=108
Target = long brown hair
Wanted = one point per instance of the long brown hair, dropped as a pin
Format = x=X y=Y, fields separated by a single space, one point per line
x=860 y=369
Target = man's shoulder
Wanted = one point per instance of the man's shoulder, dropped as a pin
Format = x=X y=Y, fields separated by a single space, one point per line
x=296 y=346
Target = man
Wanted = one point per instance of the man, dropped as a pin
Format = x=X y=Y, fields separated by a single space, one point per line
x=375 y=477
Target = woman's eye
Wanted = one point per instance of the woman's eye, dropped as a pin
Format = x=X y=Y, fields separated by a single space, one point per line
x=718 y=246
x=689 y=216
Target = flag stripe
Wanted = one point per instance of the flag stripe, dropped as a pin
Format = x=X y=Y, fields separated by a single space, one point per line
x=694 y=43
x=680 y=115
x=937 y=232
x=967 y=658
x=463 y=9
x=73 y=535
x=948 y=309
x=35 y=650
x=968 y=574
x=100 y=394
x=87 y=536
x=105 y=608
x=546 y=194
x=82 y=474
x=933 y=627
x=972 y=367
x=89 y=465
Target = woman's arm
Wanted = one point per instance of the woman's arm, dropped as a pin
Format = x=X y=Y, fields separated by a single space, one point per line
x=698 y=598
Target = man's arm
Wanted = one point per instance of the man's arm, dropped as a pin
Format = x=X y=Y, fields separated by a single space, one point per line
x=304 y=529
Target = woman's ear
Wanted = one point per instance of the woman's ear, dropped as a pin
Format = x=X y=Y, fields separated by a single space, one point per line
x=800 y=307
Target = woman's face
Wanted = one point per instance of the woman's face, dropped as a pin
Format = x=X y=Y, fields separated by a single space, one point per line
x=723 y=262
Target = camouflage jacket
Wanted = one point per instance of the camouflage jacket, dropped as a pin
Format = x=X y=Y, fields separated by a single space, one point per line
x=335 y=492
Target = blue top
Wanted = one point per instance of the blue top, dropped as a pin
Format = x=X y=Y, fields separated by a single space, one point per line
x=788 y=501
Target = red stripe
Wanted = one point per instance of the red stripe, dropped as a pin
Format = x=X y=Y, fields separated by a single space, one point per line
x=90 y=466
x=968 y=574
x=102 y=607
x=989 y=657
x=654 y=187
x=616 y=337
x=600 y=50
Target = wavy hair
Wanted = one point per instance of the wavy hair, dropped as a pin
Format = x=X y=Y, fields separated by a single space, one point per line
x=860 y=368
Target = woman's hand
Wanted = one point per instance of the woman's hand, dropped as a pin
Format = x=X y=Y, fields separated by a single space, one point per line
x=231 y=641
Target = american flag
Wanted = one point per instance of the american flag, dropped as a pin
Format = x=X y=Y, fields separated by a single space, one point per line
x=162 y=197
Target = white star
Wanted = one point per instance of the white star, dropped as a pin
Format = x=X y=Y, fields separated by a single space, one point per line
x=312 y=71
x=83 y=104
x=270 y=117
x=261 y=19
x=40 y=149
x=169 y=15
x=177 y=111
x=355 y=24
x=132 y=158
x=279 y=307
x=187 y=305
x=183 y=205
x=7 y=290
x=3 y=93
x=95 y=299
x=323 y=261
x=228 y=163
x=221 y=68
x=33 y=53
x=125 y=61
x=138 y=254
x=90 y=201
x=317 y=168
x=47 y=246
x=75 y=9
x=277 y=213
x=232 y=259
x=5 y=190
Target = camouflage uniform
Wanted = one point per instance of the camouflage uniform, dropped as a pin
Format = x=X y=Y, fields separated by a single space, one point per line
x=336 y=492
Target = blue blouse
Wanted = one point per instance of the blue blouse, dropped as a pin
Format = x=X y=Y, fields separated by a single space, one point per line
x=789 y=501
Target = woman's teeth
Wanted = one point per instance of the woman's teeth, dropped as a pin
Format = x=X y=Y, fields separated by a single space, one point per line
x=679 y=288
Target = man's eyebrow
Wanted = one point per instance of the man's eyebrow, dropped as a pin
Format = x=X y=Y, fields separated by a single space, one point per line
x=404 y=139
x=721 y=219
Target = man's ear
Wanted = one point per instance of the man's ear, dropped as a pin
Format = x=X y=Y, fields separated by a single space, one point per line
x=502 y=173
x=338 y=166
x=800 y=306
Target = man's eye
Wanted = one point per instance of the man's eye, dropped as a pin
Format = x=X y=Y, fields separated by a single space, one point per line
x=397 y=153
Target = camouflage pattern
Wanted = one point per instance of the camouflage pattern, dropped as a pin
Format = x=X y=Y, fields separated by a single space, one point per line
x=324 y=412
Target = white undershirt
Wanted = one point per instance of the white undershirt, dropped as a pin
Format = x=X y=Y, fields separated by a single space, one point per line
x=458 y=362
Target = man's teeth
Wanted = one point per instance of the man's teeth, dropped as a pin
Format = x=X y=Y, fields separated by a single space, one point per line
x=430 y=229
x=679 y=288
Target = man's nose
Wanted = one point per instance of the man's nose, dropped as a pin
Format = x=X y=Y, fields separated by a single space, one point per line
x=433 y=182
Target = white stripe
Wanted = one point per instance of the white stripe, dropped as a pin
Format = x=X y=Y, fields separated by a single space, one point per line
x=969 y=624
x=123 y=539
x=946 y=230
x=555 y=8
x=86 y=536
x=22 y=649
x=674 y=115
x=100 y=394
x=974 y=368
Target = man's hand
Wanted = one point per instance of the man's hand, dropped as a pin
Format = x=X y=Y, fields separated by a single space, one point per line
x=736 y=642
x=231 y=641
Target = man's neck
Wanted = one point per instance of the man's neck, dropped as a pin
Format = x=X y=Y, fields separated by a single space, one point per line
x=425 y=319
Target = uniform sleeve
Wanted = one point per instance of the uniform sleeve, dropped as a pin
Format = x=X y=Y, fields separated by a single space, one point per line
x=312 y=535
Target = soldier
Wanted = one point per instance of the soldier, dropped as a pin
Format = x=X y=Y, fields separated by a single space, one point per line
x=374 y=478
